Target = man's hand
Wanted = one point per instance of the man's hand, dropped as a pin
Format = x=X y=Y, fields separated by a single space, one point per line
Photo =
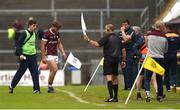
x=22 y=57
x=64 y=56
x=86 y=38
x=122 y=29
x=123 y=41
x=123 y=64
x=143 y=56
x=44 y=60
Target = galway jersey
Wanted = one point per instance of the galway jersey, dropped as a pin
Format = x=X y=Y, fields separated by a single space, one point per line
x=52 y=42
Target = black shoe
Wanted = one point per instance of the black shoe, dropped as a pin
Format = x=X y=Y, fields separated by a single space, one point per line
x=36 y=92
x=160 y=98
x=126 y=88
x=138 y=97
x=164 y=96
x=10 y=90
x=148 y=98
x=50 y=90
x=115 y=100
x=168 y=88
x=110 y=100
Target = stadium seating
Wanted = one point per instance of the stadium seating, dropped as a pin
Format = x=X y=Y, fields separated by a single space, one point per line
x=71 y=20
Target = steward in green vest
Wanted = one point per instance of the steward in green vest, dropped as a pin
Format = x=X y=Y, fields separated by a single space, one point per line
x=27 y=54
x=29 y=46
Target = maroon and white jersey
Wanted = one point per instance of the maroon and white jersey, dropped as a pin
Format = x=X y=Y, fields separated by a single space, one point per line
x=52 y=42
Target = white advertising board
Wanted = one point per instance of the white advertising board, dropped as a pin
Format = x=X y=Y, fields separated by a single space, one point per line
x=26 y=80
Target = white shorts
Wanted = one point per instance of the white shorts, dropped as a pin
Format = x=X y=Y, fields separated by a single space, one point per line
x=51 y=57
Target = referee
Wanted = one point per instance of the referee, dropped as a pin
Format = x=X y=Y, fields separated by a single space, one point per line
x=112 y=47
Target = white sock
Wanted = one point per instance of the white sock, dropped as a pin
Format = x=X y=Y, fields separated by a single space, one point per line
x=10 y=86
x=148 y=93
x=49 y=85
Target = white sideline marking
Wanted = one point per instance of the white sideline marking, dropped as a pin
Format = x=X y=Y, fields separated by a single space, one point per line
x=71 y=94
x=121 y=106
x=99 y=104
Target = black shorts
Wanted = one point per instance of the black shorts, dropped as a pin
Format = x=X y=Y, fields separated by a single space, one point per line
x=110 y=66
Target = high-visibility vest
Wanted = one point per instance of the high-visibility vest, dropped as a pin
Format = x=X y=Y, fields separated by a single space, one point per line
x=29 y=48
x=143 y=50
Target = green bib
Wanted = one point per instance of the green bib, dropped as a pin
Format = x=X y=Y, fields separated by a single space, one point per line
x=29 y=48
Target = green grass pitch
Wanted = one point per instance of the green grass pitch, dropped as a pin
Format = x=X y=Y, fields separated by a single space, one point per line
x=73 y=97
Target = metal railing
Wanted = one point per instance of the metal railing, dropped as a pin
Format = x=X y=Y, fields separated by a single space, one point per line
x=144 y=20
x=159 y=6
x=143 y=17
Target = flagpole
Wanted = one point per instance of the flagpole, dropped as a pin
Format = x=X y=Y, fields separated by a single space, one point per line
x=66 y=63
x=64 y=66
x=136 y=80
x=92 y=77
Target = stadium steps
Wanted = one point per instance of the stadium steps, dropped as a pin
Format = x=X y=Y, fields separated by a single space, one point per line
x=80 y=4
x=25 y=4
x=44 y=20
x=72 y=40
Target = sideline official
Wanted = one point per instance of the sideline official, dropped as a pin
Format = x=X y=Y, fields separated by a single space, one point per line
x=112 y=48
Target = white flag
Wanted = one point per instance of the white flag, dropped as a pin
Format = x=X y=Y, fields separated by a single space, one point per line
x=74 y=61
x=83 y=25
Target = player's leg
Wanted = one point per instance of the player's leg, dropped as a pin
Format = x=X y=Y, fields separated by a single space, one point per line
x=21 y=70
x=107 y=67
x=33 y=68
x=115 y=79
x=53 y=69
